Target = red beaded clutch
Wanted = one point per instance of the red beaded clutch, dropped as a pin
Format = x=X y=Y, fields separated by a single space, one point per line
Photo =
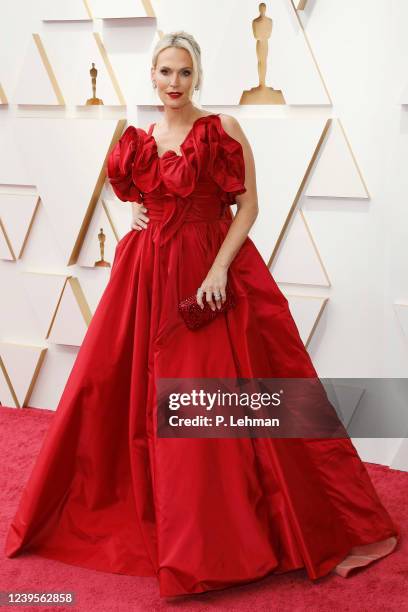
x=195 y=317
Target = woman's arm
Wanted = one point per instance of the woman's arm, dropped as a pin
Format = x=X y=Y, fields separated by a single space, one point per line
x=247 y=203
x=247 y=211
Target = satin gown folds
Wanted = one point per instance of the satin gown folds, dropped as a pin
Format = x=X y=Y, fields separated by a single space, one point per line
x=199 y=514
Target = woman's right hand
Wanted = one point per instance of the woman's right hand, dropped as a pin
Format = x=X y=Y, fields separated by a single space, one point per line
x=139 y=219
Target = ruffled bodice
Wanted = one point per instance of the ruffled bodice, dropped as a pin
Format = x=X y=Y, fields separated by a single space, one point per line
x=209 y=157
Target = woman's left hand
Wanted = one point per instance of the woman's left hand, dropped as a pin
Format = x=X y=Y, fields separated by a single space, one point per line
x=213 y=287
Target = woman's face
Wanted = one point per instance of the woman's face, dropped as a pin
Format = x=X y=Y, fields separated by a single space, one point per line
x=174 y=74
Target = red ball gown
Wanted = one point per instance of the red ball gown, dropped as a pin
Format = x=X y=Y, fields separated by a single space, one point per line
x=199 y=514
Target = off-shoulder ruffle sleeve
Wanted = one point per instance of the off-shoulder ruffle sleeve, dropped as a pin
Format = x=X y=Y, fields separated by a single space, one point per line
x=120 y=165
x=226 y=161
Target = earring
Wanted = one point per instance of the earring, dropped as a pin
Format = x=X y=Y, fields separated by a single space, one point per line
x=154 y=84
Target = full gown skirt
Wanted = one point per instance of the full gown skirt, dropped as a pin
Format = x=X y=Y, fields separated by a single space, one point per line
x=198 y=513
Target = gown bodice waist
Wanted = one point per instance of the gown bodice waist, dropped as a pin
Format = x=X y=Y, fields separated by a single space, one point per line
x=203 y=204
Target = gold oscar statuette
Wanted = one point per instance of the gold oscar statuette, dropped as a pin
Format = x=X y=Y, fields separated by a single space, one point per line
x=102 y=263
x=262 y=30
x=94 y=100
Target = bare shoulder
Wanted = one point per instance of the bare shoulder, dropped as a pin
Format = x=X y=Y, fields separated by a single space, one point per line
x=232 y=126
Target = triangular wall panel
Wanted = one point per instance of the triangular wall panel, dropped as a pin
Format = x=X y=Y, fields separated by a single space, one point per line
x=335 y=173
x=72 y=317
x=298 y=260
x=22 y=364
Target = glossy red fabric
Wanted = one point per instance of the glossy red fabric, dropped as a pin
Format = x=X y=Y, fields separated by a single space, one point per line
x=199 y=514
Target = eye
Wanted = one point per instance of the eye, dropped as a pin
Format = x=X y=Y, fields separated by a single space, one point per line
x=187 y=72
x=163 y=70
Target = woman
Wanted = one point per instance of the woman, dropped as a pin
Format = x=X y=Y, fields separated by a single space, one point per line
x=107 y=492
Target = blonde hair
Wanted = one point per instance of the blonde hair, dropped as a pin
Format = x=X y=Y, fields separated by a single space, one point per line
x=183 y=40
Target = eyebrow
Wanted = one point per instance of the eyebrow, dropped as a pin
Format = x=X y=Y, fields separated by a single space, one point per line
x=185 y=67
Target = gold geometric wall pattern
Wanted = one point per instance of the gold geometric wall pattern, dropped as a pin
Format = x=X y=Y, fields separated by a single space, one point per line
x=101 y=238
x=72 y=315
x=37 y=83
x=306 y=266
x=131 y=58
x=292 y=144
x=6 y=249
x=6 y=396
x=336 y=173
x=3 y=97
x=53 y=376
x=20 y=365
x=149 y=8
x=313 y=156
x=298 y=260
x=117 y=215
x=100 y=183
x=300 y=5
x=17 y=213
x=69 y=177
x=306 y=311
x=43 y=291
x=109 y=68
x=66 y=57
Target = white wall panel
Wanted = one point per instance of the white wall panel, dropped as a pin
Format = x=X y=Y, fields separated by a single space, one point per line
x=43 y=291
x=306 y=312
x=21 y=364
x=71 y=54
x=290 y=144
x=75 y=152
x=16 y=214
x=298 y=260
x=34 y=85
x=70 y=323
x=120 y=9
x=13 y=170
x=61 y=10
x=335 y=173
x=91 y=248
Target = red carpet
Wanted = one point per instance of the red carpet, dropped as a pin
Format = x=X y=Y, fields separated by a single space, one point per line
x=381 y=586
